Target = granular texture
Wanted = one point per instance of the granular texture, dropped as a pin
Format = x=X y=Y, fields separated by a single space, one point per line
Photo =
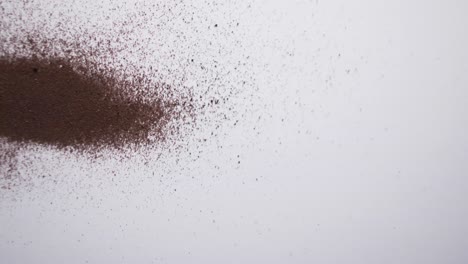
x=49 y=102
x=118 y=88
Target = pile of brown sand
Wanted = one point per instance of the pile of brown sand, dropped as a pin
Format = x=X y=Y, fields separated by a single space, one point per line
x=48 y=102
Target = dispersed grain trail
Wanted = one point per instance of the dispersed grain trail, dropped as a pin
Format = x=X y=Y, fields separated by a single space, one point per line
x=49 y=102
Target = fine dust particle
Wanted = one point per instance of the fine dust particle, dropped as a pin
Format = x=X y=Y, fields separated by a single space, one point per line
x=115 y=82
x=56 y=104
x=47 y=102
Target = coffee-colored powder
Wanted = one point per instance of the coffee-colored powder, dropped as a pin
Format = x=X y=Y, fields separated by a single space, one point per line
x=48 y=102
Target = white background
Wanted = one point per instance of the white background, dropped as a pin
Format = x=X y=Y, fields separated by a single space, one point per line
x=353 y=148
